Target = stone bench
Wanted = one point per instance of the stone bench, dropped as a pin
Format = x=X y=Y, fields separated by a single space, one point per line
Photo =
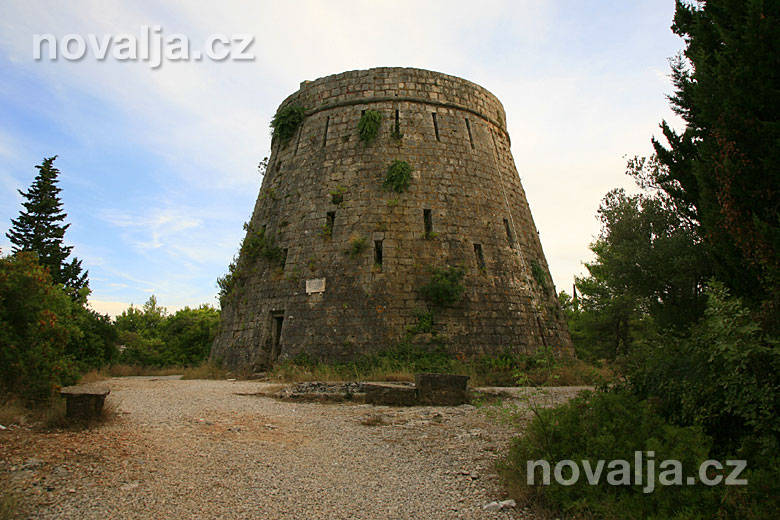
x=84 y=401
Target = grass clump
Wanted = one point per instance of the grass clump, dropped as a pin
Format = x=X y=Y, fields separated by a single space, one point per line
x=399 y=174
x=286 y=121
x=368 y=126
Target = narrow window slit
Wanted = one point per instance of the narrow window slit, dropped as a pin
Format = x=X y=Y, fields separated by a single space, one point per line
x=508 y=232
x=330 y=220
x=435 y=125
x=480 y=256
x=428 y=221
x=284 y=257
x=298 y=140
x=378 y=253
x=468 y=127
x=325 y=135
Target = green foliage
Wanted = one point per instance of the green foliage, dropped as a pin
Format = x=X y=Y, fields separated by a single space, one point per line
x=337 y=195
x=723 y=169
x=648 y=273
x=613 y=426
x=399 y=173
x=256 y=244
x=35 y=330
x=539 y=275
x=368 y=126
x=286 y=122
x=40 y=229
x=724 y=375
x=356 y=246
x=424 y=323
x=444 y=287
x=153 y=338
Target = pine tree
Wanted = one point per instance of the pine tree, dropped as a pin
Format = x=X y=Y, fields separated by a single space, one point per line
x=40 y=228
x=723 y=170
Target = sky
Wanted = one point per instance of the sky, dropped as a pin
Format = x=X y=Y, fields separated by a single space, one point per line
x=159 y=165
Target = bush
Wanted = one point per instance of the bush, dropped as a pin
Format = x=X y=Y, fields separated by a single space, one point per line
x=444 y=288
x=35 y=330
x=399 y=173
x=368 y=126
x=723 y=375
x=286 y=121
x=613 y=426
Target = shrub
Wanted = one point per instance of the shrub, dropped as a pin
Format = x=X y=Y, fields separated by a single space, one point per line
x=35 y=329
x=368 y=126
x=723 y=375
x=607 y=426
x=356 y=246
x=399 y=173
x=444 y=288
x=286 y=121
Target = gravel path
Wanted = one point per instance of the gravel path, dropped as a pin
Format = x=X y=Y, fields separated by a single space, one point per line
x=195 y=449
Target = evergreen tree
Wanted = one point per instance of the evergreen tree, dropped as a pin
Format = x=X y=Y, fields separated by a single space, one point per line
x=40 y=228
x=723 y=169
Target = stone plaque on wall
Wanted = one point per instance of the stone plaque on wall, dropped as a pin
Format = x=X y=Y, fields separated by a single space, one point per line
x=315 y=285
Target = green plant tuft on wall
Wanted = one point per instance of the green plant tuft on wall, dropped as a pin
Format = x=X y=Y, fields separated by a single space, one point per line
x=257 y=244
x=368 y=126
x=286 y=121
x=398 y=176
x=356 y=246
x=538 y=274
x=444 y=287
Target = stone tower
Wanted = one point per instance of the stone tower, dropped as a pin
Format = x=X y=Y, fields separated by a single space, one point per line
x=339 y=261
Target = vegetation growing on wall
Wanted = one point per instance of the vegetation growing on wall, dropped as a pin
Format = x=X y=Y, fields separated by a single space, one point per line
x=538 y=274
x=399 y=173
x=444 y=287
x=356 y=246
x=368 y=126
x=286 y=122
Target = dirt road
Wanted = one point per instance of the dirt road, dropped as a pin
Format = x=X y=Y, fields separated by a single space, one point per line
x=196 y=449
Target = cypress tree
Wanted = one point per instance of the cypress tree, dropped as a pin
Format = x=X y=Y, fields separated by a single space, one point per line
x=41 y=228
x=723 y=169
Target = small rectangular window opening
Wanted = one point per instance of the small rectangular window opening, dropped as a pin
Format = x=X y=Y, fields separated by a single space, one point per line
x=362 y=113
x=325 y=135
x=508 y=232
x=378 y=252
x=435 y=125
x=428 y=221
x=468 y=127
x=480 y=256
x=331 y=219
x=277 y=323
x=298 y=140
x=278 y=166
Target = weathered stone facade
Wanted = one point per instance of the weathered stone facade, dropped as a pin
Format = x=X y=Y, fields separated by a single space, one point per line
x=464 y=207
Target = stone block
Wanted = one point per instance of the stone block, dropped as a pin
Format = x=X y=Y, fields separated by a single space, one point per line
x=84 y=401
x=441 y=389
x=390 y=394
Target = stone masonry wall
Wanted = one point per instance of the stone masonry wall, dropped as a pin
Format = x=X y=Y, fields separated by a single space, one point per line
x=468 y=182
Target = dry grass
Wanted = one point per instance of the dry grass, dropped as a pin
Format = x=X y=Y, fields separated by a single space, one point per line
x=373 y=419
x=207 y=370
x=9 y=505
x=137 y=370
x=12 y=412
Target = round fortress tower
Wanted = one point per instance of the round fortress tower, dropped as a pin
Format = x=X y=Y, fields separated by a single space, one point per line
x=333 y=261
